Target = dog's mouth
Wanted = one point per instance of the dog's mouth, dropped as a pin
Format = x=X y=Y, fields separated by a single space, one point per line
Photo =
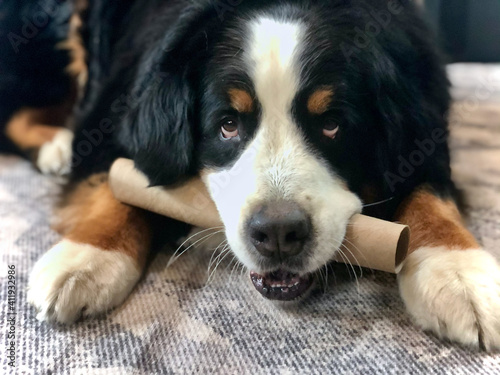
x=281 y=285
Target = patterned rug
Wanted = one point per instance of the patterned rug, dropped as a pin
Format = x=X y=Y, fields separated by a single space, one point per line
x=175 y=322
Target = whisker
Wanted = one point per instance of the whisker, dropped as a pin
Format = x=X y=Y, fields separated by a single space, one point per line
x=345 y=260
x=235 y=267
x=356 y=259
x=173 y=258
x=339 y=244
x=198 y=233
x=379 y=202
x=210 y=273
x=326 y=279
x=323 y=278
x=203 y=239
x=216 y=258
x=348 y=262
x=192 y=236
x=320 y=275
x=225 y=251
x=223 y=243
x=231 y=262
x=333 y=273
x=242 y=269
x=353 y=270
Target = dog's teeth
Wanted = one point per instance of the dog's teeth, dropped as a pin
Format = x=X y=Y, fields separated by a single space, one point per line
x=288 y=284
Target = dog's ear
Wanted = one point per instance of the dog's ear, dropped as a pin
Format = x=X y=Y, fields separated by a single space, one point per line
x=160 y=130
x=410 y=88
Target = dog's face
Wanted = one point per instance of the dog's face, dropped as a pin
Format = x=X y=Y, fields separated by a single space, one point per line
x=268 y=131
x=290 y=129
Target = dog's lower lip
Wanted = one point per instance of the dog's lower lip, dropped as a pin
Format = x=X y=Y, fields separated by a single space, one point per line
x=281 y=285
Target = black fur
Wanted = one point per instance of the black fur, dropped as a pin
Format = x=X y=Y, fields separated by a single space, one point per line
x=159 y=73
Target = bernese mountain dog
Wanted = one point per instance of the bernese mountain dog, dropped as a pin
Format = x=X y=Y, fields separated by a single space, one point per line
x=297 y=114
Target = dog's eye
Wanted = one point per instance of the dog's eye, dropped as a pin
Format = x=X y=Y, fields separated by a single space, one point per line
x=229 y=128
x=330 y=130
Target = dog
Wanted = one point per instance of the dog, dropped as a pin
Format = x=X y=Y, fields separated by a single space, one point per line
x=313 y=111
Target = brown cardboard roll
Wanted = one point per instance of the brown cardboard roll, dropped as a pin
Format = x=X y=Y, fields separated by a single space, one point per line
x=369 y=242
x=374 y=243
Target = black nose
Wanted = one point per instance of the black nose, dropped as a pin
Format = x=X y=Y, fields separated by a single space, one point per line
x=279 y=229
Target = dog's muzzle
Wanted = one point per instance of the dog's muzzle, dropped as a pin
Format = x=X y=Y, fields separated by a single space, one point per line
x=279 y=232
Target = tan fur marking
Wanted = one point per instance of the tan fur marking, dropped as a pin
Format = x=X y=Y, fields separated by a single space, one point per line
x=91 y=215
x=241 y=100
x=78 y=66
x=319 y=101
x=434 y=222
x=26 y=130
x=74 y=45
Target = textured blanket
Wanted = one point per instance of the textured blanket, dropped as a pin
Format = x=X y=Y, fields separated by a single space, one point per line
x=176 y=322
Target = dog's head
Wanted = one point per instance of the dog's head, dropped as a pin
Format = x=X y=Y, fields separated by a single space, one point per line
x=285 y=208
x=289 y=130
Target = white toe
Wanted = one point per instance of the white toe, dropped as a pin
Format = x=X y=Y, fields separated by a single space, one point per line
x=54 y=157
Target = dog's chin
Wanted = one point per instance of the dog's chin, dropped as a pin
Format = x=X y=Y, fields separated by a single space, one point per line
x=281 y=285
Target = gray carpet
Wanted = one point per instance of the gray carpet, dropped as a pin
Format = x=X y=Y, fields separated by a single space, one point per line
x=176 y=323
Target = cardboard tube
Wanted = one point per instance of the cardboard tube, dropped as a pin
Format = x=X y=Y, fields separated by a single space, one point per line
x=372 y=243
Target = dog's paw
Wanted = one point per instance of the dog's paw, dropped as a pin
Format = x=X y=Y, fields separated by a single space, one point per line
x=455 y=294
x=54 y=157
x=74 y=279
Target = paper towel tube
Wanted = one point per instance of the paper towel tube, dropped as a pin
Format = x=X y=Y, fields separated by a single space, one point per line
x=373 y=243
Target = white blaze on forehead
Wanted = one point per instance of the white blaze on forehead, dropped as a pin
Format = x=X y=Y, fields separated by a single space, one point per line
x=272 y=54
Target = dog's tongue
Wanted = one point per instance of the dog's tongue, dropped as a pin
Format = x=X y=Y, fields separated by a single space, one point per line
x=281 y=285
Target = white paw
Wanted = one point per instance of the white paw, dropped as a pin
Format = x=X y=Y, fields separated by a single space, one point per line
x=54 y=157
x=455 y=294
x=74 y=279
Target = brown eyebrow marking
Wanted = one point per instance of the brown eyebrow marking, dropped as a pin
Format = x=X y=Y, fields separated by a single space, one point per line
x=241 y=100
x=320 y=100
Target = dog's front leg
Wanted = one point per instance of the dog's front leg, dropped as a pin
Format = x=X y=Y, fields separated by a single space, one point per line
x=99 y=260
x=449 y=284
